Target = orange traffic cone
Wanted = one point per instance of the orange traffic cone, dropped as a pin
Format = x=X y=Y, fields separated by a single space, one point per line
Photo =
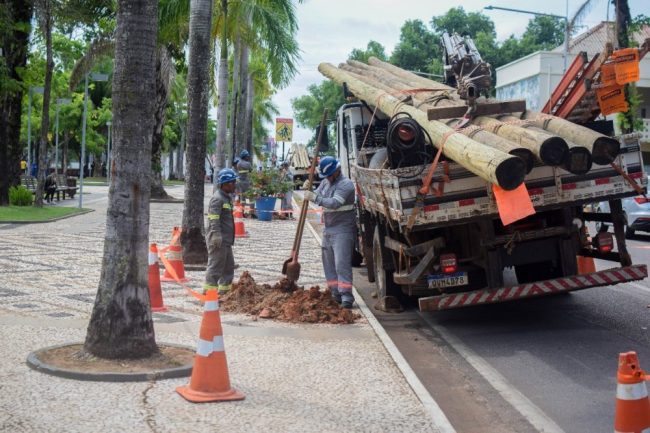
x=174 y=255
x=238 y=214
x=632 y=404
x=155 y=291
x=585 y=265
x=210 y=380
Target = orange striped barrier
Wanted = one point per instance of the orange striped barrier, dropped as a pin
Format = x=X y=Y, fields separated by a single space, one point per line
x=632 y=405
x=210 y=380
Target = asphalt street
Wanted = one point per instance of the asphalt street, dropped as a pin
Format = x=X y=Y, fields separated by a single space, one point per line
x=546 y=364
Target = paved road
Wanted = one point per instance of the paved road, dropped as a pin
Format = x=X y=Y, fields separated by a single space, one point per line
x=553 y=358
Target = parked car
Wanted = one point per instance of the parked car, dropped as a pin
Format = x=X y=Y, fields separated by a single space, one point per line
x=637 y=215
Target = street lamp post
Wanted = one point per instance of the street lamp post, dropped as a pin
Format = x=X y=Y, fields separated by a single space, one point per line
x=95 y=77
x=109 y=152
x=59 y=102
x=29 y=124
x=540 y=14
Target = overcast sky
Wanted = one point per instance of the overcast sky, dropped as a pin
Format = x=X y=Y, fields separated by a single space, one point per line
x=330 y=29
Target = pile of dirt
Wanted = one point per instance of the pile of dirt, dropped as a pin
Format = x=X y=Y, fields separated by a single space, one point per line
x=285 y=301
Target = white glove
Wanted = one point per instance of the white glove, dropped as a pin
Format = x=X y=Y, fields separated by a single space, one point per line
x=310 y=196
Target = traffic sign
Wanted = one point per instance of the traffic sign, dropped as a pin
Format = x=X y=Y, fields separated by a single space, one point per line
x=283 y=129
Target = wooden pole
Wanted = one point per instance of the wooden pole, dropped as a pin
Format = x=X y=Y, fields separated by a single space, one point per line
x=373 y=77
x=492 y=165
x=549 y=149
x=603 y=149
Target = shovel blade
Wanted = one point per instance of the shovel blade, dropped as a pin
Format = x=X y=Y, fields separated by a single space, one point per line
x=293 y=271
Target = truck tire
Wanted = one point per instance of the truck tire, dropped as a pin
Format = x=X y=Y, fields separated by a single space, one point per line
x=531 y=272
x=383 y=278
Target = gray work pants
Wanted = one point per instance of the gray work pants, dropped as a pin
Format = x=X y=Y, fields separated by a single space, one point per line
x=221 y=269
x=337 y=263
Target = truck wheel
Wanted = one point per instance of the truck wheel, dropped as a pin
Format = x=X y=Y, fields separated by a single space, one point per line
x=387 y=290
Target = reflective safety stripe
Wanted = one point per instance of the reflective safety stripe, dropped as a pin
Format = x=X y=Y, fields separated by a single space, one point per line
x=174 y=255
x=218 y=344
x=206 y=347
x=635 y=391
x=211 y=306
x=242 y=171
x=339 y=198
x=227 y=206
x=153 y=258
x=340 y=209
x=224 y=287
x=207 y=286
x=213 y=216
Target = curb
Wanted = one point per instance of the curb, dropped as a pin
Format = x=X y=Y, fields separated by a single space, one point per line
x=51 y=220
x=437 y=416
x=171 y=373
x=166 y=200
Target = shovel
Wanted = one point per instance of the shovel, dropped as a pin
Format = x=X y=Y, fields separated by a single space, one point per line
x=291 y=267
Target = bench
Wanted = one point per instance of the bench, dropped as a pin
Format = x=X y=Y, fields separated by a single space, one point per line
x=63 y=185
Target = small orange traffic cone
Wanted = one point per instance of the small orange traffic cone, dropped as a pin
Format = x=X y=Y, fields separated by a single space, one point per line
x=210 y=380
x=155 y=291
x=238 y=214
x=585 y=265
x=174 y=255
x=632 y=404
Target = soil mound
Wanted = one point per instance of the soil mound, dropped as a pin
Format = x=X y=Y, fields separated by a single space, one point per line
x=285 y=301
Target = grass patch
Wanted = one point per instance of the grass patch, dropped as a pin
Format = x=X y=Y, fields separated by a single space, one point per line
x=31 y=214
x=173 y=182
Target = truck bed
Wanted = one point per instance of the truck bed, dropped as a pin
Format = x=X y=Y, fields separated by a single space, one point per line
x=392 y=193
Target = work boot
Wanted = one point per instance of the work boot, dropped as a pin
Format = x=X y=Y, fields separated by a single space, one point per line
x=347 y=304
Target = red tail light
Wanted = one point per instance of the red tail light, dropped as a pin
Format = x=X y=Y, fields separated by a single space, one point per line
x=641 y=200
x=604 y=242
x=448 y=263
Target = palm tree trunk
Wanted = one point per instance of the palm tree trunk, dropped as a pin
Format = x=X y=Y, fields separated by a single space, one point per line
x=234 y=101
x=192 y=237
x=222 y=91
x=46 y=28
x=14 y=45
x=180 y=153
x=121 y=325
x=157 y=189
x=243 y=97
x=248 y=123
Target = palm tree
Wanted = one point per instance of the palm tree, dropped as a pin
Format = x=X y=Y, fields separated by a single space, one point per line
x=44 y=11
x=15 y=29
x=120 y=325
x=192 y=237
x=222 y=86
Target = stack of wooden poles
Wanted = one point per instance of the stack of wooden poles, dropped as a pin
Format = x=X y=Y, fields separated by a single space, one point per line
x=501 y=149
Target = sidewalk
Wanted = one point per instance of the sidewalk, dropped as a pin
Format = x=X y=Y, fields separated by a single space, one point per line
x=297 y=378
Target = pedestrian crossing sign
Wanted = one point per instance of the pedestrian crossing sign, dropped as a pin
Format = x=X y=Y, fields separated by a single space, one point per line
x=283 y=129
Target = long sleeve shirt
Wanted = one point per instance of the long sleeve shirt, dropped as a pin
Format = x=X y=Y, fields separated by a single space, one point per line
x=337 y=199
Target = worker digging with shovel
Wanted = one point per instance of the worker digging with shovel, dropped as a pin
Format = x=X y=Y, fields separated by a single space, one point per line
x=336 y=195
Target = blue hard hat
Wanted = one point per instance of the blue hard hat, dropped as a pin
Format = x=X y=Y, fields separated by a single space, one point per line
x=328 y=166
x=235 y=161
x=244 y=154
x=227 y=175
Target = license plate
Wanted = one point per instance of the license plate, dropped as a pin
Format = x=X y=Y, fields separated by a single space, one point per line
x=447 y=280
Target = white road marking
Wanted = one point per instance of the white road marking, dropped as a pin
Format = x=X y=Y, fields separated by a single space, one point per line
x=437 y=416
x=519 y=401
